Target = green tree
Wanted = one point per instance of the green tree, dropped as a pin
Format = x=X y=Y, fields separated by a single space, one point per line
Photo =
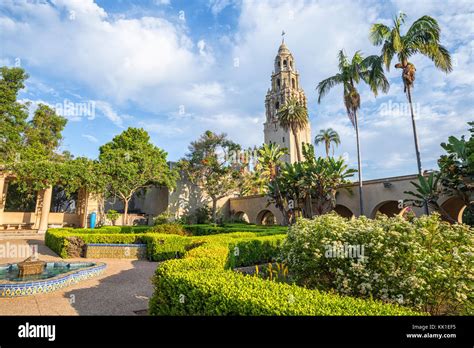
x=427 y=192
x=130 y=162
x=322 y=178
x=327 y=136
x=370 y=71
x=211 y=165
x=268 y=166
x=457 y=168
x=38 y=164
x=294 y=116
x=13 y=114
x=423 y=37
x=293 y=188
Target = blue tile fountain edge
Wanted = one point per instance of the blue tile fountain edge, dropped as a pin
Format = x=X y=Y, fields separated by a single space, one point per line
x=46 y=286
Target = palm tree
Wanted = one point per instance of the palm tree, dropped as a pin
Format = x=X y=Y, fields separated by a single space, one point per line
x=422 y=37
x=327 y=136
x=293 y=116
x=269 y=160
x=268 y=165
x=350 y=73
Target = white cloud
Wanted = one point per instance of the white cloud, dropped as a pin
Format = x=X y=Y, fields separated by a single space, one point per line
x=91 y=138
x=117 y=58
x=106 y=109
x=218 y=5
x=162 y=2
x=153 y=65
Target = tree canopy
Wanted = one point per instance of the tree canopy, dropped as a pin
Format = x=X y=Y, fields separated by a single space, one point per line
x=211 y=164
x=130 y=162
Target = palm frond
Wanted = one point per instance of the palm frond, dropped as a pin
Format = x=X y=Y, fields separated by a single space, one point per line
x=342 y=60
x=387 y=53
x=326 y=85
x=426 y=28
x=439 y=55
x=378 y=33
x=374 y=75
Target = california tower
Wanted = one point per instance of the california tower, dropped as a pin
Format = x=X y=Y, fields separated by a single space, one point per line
x=285 y=85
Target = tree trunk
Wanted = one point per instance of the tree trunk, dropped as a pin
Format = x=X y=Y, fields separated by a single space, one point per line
x=125 y=212
x=327 y=149
x=286 y=220
x=415 y=136
x=214 y=210
x=359 y=167
x=298 y=151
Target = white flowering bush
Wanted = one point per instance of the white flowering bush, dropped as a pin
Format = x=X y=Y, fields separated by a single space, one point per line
x=425 y=264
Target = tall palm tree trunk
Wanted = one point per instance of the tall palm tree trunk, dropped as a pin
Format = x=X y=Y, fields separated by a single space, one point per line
x=309 y=199
x=298 y=151
x=415 y=136
x=361 y=198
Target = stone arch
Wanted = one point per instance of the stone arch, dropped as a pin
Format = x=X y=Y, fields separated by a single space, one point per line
x=389 y=208
x=241 y=216
x=266 y=217
x=285 y=63
x=343 y=211
x=454 y=207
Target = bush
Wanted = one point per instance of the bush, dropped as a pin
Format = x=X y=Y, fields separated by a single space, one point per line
x=112 y=215
x=199 y=284
x=425 y=264
x=208 y=229
x=201 y=215
x=59 y=239
x=163 y=218
x=169 y=229
x=251 y=251
x=106 y=229
x=162 y=247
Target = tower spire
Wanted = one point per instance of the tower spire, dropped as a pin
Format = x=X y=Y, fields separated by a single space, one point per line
x=283 y=36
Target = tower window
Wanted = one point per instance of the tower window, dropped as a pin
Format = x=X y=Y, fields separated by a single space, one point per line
x=279 y=64
x=293 y=83
x=283 y=139
x=277 y=105
x=285 y=63
x=278 y=83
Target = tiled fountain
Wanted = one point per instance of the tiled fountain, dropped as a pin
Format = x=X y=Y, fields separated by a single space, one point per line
x=33 y=276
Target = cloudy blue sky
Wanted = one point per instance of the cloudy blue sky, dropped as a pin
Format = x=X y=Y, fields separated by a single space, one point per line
x=169 y=66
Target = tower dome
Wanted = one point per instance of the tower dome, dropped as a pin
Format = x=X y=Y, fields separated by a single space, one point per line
x=283 y=49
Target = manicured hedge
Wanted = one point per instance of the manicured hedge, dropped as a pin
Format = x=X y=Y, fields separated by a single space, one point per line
x=169 y=228
x=162 y=247
x=209 y=229
x=159 y=246
x=202 y=284
x=251 y=251
x=59 y=239
x=108 y=229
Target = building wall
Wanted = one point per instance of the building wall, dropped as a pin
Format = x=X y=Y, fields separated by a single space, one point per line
x=381 y=194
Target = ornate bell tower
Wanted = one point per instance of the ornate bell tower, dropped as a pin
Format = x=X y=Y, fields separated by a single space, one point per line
x=285 y=85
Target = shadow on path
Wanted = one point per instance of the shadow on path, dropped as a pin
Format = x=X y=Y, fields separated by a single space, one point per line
x=124 y=293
